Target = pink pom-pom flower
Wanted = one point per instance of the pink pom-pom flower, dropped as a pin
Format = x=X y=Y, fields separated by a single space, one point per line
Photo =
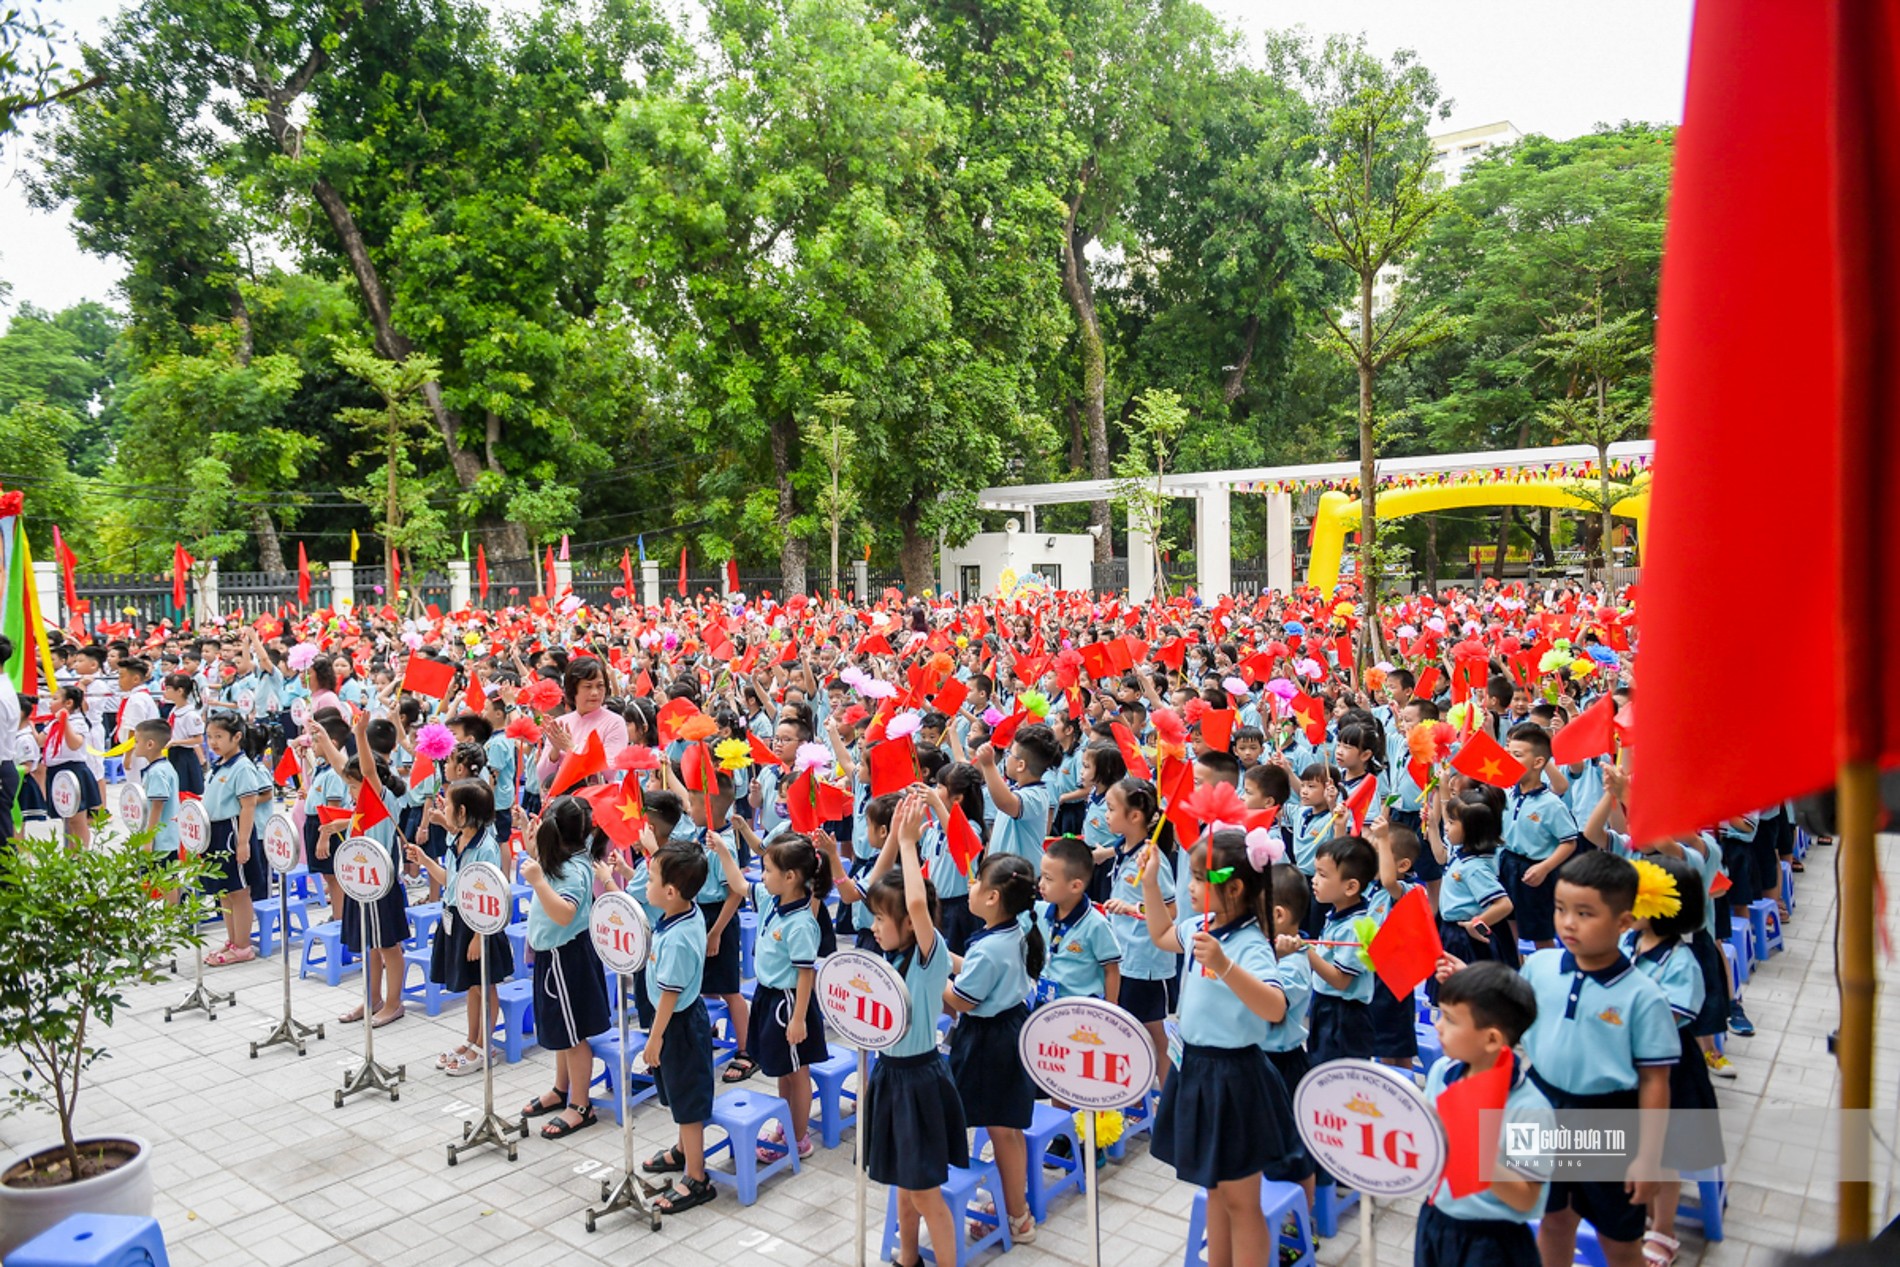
x=302 y=656
x=434 y=741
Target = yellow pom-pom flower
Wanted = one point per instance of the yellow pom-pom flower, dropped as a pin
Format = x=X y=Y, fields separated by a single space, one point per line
x=733 y=754
x=1108 y=1126
x=1657 y=896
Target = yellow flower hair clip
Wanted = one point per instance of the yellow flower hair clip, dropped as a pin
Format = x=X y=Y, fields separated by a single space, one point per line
x=733 y=754
x=1656 y=893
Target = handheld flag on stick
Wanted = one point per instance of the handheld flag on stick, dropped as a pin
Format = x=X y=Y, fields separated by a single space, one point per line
x=1464 y=1107
x=590 y=760
x=1482 y=759
x=1406 y=949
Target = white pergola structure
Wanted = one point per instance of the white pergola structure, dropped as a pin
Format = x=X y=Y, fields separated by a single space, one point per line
x=1213 y=492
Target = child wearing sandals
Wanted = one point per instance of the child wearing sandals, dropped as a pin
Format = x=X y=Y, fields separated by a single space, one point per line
x=679 y=1047
x=917 y=1130
x=467 y=813
x=787 y=1033
x=367 y=774
x=570 y=986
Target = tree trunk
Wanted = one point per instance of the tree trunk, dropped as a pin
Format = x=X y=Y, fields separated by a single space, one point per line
x=914 y=555
x=792 y=551
x=1431 y=554
x=270 y=551
x=1081 y=296
x=1545 y=546
x=1237 y=377
x=1078 y=435
x=1604 y=540
x=1368 y=474
x=1504 y=542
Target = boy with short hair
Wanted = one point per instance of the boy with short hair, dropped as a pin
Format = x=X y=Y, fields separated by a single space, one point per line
x=1084 y=958
x=1539 y=836
x=682 y=1067
x=160 y=782
x=1484 y=1009
x=1341 y=1024
x=1249 y=744
x=1604 y=1039
x=1023 y=801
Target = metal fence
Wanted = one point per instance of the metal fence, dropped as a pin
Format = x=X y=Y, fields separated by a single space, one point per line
x=143 y=598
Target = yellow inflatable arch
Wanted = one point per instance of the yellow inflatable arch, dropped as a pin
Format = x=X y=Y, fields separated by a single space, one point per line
x=1338 y=515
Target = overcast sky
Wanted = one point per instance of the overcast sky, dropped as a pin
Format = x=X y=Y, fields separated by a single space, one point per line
x=1553 y=66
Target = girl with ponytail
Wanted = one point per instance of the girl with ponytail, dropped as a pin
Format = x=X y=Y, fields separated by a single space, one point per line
x=1000 y=965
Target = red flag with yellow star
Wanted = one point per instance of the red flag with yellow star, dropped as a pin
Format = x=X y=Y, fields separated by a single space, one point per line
x=1482 y=759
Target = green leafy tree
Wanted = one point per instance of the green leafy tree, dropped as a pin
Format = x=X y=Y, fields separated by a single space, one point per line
x=410 y=524
x=31 y=76
x=759 y=238
x=836 y=446
x=34 y=440
x=1374 y=195
x=1154 y=431
x=1597 y=359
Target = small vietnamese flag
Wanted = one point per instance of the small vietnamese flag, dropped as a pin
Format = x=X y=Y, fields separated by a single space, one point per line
x=1406 y=949
x=474 y=700
x=762 y=754
x=286 y=768
x=966 y=845
x=589 y=761
x=1464 y=1106
x=369 y=810
x=1359 y=804
x=1482 y=759
x=1592 y=735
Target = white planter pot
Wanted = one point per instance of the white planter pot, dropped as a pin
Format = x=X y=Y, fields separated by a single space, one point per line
x=26 y=1212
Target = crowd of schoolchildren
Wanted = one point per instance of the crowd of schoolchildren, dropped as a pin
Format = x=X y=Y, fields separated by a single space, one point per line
x=1232 y=942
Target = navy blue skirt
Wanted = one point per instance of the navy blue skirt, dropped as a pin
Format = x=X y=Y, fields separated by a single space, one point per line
x=191 y=770
x=1694 y=1141
x=570 y=995
x=766 y=1040
x=227 y=874
x=987 y=1068
x=1443 y=1241
x=1713 y=1018
x=449 y=964
x=1226 y=1115
x=684 y=1080
x=89 y=796
x=390 y=928
x=917 y=1128
x=325 y=865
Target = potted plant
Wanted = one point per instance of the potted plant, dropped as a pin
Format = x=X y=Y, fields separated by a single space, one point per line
x=77 y=928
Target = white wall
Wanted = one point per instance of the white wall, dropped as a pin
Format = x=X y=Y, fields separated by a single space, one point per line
x=994 y=552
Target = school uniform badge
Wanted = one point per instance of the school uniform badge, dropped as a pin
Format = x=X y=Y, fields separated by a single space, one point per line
x=1610 y=1016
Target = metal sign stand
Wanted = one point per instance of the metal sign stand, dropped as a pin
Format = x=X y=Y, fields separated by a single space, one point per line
x=632 y=1192
x=491 y=1129
x=371 y=1076
x=859 y=1162
x=201 y=999
x=289 y=1029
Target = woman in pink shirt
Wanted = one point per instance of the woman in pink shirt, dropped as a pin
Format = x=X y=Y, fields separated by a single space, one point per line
x=585 y=685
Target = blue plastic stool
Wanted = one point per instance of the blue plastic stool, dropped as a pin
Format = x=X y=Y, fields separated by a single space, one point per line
x=327 y=936
x=423 y=917
x=829 y=1092
x=95 y=1240
x=1525 y=948
x=1742 y=946
x=433 y=996
x=1048 y=1125
x=522 y=894
x=1279 y=1202
x=515 y=999
x=1711 y=1202
x=960 y=1191
x=606 y=1049
x=1787 y=885
x=743 y=1116
x=748 y=941
x=1137 y=1119
x=1589 y=1249
x=1765 y=922
x=518 y=944
x=1328 y=1205
x=305 y=884
x=267 y=915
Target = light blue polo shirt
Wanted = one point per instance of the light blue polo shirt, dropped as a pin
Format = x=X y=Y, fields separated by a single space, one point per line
x=637 y=890
x=994 y=977
x=714 y=890
x=1095 y=832
x=1525 y=1104
x=1024 y=834
x=501 y=764
x=1345 y=958
x=772 y=816
x=160 y=781
x=676 y=959
x=1142 y=960
x=483 y=850
x=574 y=881
x=788 y=939
x=1536 y=822
x=1585 y=790
x=1595 y=1029
x=1080 y=948
x=934 y=850
x=1708 y=864
x=1296 y=982
x=924 y=980
x=1469 y=886
x=1672 y=966
x=227 y=783
x=327 y=788
x=1212 y=1015
x=1313 y=828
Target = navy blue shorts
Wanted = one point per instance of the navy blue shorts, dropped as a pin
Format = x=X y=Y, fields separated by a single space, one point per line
x=1394 y=1036
x=1145 y=1000
x=957 y=924
x=1533 y=906
x=1443 y=1241
x=766 y=1038
x=1603 y=1202
x=1339 y=1029
x=570 y=995
x=721 y=974
x=684 y=1080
